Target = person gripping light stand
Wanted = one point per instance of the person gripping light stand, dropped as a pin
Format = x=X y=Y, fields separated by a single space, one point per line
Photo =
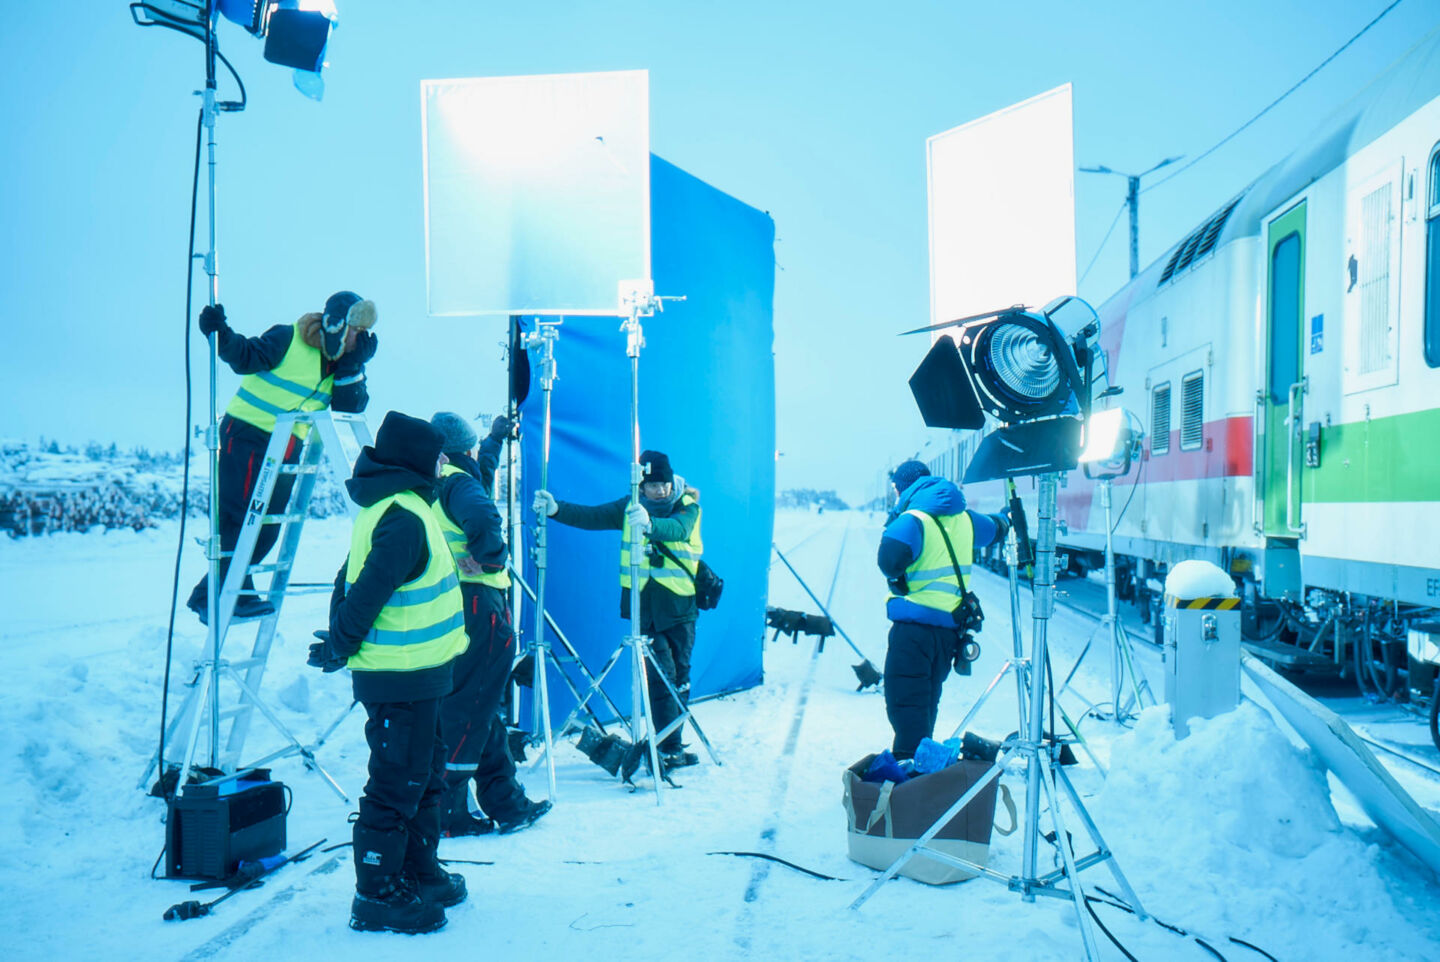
x=927 y=594
x=316 y=363
x=397 y=622
x=475 y=733
x=668 y=514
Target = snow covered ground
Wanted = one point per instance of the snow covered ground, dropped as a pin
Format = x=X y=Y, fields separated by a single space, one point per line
x=1232 y=832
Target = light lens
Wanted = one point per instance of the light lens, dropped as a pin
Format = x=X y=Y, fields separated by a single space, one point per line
x=1023 y=362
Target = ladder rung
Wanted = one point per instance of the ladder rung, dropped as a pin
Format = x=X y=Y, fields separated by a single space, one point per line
x=308 y=590
x=268 y=568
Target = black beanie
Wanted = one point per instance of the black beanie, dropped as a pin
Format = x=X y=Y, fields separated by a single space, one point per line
x=657 y=467
x=908 y=473
x=406 y=442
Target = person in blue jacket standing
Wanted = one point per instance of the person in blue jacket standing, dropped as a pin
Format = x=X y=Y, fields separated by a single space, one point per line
x=925 y=554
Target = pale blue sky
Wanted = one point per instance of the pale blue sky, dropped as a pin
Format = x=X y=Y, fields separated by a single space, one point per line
x=815 y=112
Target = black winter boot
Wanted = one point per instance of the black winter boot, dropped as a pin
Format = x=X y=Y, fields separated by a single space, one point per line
x=421 y=862
x=385 y=901
x=456 y=819
x=523 y=815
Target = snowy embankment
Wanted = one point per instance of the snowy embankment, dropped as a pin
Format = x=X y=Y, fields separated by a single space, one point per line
x=1231 y=832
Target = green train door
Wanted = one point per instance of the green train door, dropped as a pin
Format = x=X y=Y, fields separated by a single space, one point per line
x=1283 y=397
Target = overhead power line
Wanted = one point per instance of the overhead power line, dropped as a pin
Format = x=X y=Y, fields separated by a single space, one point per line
x=1123 y=204
x=1237 y=131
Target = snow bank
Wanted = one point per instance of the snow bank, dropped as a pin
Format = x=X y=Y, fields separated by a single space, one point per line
x=1198 y=579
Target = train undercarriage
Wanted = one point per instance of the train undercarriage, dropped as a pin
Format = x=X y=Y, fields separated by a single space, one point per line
x=1389 y=650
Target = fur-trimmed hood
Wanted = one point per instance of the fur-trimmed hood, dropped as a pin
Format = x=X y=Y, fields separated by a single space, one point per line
x=363 y=316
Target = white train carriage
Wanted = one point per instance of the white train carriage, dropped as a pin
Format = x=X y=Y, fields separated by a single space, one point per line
x=1284 y=359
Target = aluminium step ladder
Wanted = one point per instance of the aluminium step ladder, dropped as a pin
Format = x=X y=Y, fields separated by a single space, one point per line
x=329 y=443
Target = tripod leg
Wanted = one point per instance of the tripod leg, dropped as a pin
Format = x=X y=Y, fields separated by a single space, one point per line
x=979 y=702
x=1080 y=739
x=1062 y=842
x=542 y=691
x=643 y=720
x=990 y=775
x=325 y=735
x=595 y=686
x=208 y=683
x=247 y=693
x=1094 y=834
x=685 y=713
x=175 y=722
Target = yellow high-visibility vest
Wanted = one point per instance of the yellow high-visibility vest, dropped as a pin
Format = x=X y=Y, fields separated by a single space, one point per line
x=931 y=576
x=672 y=576
x=294 y=384
x=423 y=623
x=455 y=538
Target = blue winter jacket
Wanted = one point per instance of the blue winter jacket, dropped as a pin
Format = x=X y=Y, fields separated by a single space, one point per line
x=903 y=538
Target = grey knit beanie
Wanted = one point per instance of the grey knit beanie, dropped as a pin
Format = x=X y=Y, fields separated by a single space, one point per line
x=458 y=435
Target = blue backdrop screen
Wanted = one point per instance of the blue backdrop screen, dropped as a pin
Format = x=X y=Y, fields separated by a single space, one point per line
x=707 y=399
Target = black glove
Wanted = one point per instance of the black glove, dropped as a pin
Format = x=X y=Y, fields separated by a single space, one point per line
x=323 y=656
x=354 y=359
x=501 y=428
x=212 y=320
x=1002 y=525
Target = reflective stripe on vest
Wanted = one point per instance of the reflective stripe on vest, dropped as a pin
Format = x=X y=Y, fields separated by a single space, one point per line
x=931 y=576
x=294 y=384
x=670 y=575
x=423 y=623
x=455 y=539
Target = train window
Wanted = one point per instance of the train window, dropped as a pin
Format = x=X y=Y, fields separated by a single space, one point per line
x=1284 y=317
x=1192 y=411
x=1160 y=419
x=1432 y=264
x=1375 y=280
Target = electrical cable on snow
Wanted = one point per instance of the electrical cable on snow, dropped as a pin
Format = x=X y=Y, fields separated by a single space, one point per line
x=185 y=469
x=775 y=858
x=1114 y=901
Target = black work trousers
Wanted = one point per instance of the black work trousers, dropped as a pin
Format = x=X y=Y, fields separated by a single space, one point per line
x=474 y=731
x=242 y=452
x=407 y=769
x=672 y=648
x=916 y=662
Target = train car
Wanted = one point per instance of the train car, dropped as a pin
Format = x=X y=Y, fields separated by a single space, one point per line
x=1284 y=360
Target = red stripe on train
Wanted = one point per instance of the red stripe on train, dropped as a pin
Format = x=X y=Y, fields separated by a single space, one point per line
x=1227 y=451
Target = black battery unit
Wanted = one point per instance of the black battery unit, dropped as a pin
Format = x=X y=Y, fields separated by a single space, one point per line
x=211 y=828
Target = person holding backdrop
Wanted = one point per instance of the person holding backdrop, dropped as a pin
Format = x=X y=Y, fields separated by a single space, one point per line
x=668 y=518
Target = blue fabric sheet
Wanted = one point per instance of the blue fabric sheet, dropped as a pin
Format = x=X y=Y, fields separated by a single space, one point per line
x=707 y=399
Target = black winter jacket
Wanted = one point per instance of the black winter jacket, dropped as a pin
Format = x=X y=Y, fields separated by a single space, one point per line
x=398 y=553
x=465 y=499
x=251 y=355
x=660 y=608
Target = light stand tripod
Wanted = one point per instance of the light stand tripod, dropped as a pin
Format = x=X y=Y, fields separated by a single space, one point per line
x=639 y=301
x=1122 y=655
x=1043 y=771
x=544 y=338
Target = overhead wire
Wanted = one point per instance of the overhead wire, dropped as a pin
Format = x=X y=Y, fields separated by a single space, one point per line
x=1274 y=103
x=1086 y=273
